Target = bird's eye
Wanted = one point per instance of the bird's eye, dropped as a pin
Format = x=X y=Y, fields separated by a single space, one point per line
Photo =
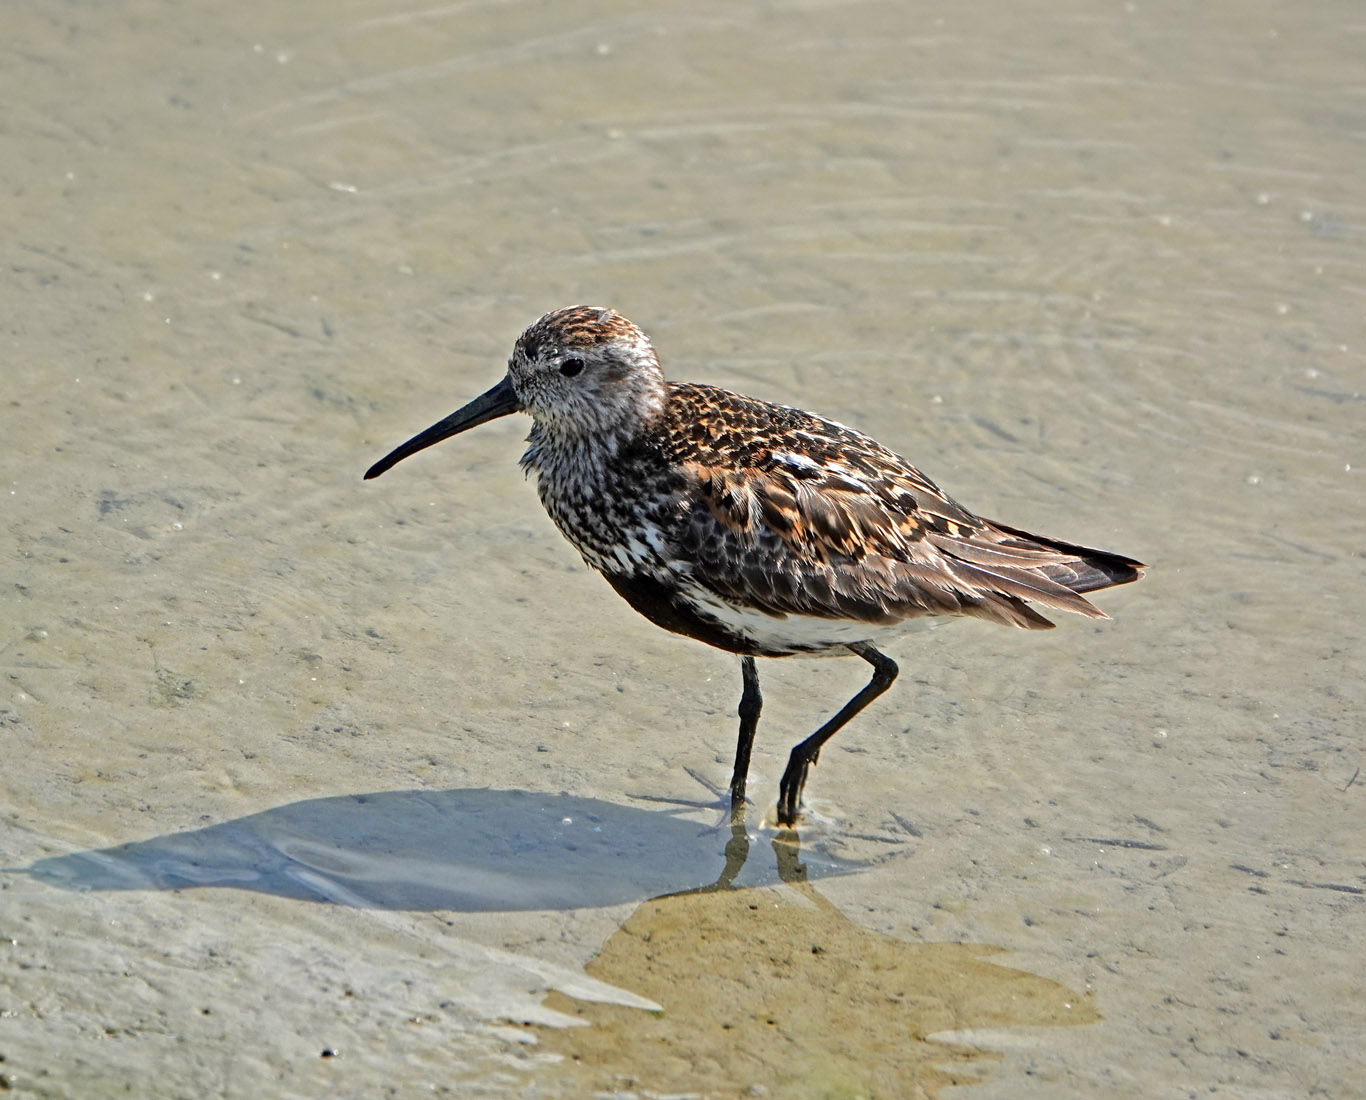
x=571 y=367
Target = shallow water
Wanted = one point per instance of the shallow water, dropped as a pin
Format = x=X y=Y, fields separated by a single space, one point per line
x=1099 y=271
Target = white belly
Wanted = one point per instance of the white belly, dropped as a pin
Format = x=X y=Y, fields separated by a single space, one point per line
x=802 y=635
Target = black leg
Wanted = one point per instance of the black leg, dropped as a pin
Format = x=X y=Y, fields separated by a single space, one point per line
x=751 y=702
x=807 y=753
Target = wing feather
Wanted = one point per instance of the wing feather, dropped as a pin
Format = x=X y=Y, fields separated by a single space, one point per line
x=836 y=526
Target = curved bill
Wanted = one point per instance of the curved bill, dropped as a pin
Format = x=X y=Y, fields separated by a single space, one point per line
x=499 y=401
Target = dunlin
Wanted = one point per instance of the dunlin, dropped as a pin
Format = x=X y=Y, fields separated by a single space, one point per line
x=760 y=529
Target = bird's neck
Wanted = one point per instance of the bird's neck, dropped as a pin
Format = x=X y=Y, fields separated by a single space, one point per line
x=558 y=457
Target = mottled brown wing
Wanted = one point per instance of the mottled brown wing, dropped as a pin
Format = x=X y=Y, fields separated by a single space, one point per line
x=794 y=514
x=832 y=548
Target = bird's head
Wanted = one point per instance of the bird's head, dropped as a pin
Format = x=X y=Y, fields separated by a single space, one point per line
x=579 y=372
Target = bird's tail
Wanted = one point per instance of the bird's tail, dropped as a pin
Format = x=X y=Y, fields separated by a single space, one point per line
x=1085 y=569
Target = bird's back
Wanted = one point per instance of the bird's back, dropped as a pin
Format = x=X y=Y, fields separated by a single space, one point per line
x=791 y=514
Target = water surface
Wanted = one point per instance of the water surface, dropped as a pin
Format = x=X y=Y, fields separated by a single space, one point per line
x=1098 y=270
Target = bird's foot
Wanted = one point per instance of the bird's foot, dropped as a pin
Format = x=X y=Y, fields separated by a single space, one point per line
x=737 y=803
x=718 y=792
x=790 y=789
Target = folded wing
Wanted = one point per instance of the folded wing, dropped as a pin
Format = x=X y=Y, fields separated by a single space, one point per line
x=845 y=529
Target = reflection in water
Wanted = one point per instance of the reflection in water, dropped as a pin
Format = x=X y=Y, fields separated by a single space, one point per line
x=466 y=850
x=768 y=993
x=757 y=986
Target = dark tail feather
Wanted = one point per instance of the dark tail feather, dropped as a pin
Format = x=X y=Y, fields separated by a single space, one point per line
x=1091 y=569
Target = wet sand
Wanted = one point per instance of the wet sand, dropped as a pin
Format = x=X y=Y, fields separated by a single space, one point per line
x=312 y=785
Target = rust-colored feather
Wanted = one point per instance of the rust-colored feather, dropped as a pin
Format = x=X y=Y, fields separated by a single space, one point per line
x=799 y=515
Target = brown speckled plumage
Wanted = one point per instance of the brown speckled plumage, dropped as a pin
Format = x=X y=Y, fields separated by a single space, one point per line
x=757 y=528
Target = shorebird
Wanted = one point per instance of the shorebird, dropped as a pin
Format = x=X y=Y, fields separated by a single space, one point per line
x=759 y=529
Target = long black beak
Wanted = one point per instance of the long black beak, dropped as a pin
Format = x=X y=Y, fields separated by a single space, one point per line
x=499 y=401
